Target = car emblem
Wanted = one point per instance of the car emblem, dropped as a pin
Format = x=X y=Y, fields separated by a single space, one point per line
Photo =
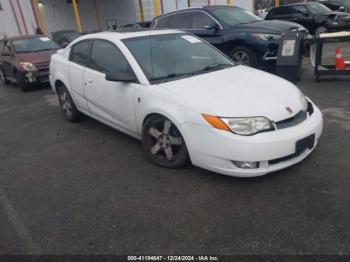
x=290 y=111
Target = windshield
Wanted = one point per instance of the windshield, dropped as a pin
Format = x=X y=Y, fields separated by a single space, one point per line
x=235 y=16
x=34 y=44
x=173 y=56
x=345 y=2
x=317 y=8
x=70 y=36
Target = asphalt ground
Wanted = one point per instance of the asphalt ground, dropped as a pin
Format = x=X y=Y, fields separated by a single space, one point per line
x=84 y=188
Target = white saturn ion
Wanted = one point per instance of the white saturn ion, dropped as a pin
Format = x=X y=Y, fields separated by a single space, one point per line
x=186 y=102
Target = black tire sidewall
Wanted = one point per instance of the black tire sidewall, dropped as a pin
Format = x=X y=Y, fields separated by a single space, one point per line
x=21 y=81
x=182 y=157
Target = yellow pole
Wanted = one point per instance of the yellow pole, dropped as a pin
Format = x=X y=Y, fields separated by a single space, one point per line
x=40 y=17
x=277 y=3
x=77 y=16
x=156 y=8
x=229 y=2
x=142 y=12
x=98 y=20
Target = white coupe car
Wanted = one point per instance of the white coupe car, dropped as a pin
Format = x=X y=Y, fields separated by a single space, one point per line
x=186 y=102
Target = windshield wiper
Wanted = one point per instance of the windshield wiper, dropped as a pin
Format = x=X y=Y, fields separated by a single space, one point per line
x=213 y=67
x=170 y=76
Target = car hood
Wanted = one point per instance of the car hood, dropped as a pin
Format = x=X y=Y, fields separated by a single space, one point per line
x=36 y=57
x=239 y=91
x=267 y=26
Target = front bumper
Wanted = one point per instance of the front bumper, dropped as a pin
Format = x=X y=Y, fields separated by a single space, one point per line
x=38 y=76
x=215 y=150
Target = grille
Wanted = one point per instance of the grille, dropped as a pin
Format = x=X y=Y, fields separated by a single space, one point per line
x=42 y=66
x=297 y=119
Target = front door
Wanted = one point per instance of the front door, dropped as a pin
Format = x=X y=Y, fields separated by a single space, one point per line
x=111 y=102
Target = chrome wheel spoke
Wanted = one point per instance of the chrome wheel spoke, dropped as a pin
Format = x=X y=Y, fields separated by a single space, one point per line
x=154 y=132
x=167 y=125
x=155 y=149
x=177 y=141
x=169 y=153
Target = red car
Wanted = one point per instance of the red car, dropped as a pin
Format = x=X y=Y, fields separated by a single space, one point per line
x=25 y=60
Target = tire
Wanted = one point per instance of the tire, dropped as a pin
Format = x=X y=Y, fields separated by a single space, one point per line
x=243 y=55
x=67 y=105
x=321 y=29
x=22 y=82
x=3 y=78
x=163 y=144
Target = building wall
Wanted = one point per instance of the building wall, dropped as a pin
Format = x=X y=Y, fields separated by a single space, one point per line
x=12 y=21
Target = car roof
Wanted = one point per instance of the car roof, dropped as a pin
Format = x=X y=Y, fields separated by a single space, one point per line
x=203 y=8
x=125 y=34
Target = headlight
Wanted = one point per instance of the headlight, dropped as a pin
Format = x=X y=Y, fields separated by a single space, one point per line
x=303 y=101
x=248 y=125
x=27 y=66
x=244 y=126
x=267 y=37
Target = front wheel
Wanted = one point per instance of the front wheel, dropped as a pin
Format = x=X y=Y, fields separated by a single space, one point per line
x=22 y=81
x=243 y=55
x=163 y=143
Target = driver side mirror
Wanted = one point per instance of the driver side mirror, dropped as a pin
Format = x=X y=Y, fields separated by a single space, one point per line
x=120 y=76
x=212 y=26
x=341 y=9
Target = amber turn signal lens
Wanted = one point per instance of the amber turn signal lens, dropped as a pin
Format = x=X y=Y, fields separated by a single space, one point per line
x=216 y=122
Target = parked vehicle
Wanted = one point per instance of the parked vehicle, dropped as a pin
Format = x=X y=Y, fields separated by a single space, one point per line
x=186 y=101
x=244 y=37
x=64 y=37
x=139 y=25
x=337 y=5
x=315 y=17
x=25 y=60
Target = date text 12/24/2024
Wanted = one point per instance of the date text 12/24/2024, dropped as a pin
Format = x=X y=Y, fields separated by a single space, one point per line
x=173 y=258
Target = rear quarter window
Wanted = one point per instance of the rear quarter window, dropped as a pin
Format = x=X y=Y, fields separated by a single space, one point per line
x=80 y=52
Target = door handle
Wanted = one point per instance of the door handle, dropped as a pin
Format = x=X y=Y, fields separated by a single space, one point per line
x=89 y=80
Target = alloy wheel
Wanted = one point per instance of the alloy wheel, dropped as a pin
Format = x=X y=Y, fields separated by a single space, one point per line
x=167 y=140
x=65 y=102
x=240 y=57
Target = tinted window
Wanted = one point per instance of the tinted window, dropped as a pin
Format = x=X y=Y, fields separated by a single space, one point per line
x=235 y=16
x=80 y=53
x=200 y=20
x=181 y=20
x=279 y=11
x=107 y=58
x=163 y=22
x=1 y=46
x=300 y=10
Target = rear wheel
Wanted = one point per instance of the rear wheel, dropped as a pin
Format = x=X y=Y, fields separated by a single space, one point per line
x=243 y=55
x=67 y=105
x=163 y=143
x=3 y=78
